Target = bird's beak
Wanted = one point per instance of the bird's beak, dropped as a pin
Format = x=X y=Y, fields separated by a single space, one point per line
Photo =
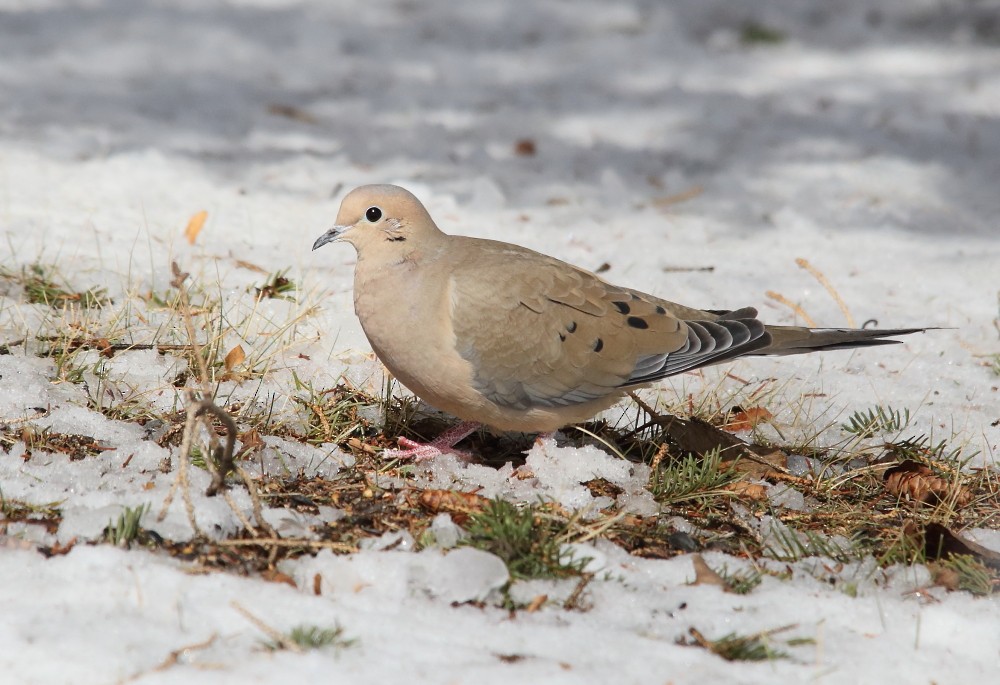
x=330 y=236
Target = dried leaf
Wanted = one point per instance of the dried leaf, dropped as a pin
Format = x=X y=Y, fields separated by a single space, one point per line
x=250 y=266
x=746 y=419
x=195 y=224
x=356 y=444
x=104 y=345
x=915 y=481
x=235 y=357
x=459 y=504
x=276 y=576
x=525 y=147
x=536 y=603
x=941 y=543
x=58 y=549
x=683 y=196
x=754 y=491
x=251 y=440
x=944 y=576
x=291 y=112
x=704 y=575
x=602 y=487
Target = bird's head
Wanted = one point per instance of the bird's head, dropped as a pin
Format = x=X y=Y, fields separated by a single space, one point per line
x=380 y=217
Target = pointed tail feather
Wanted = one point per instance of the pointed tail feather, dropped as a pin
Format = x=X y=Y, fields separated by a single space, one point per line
x=797 y=340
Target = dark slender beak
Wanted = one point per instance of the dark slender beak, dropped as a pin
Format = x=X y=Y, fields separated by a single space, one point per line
x=330 y=236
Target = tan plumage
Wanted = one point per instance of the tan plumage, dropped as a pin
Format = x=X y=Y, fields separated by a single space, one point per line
x=498 y=334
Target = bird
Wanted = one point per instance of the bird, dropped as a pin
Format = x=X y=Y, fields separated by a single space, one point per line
x=500 y=335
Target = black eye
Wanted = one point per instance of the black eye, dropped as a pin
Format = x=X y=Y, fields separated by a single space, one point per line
x=373 y=214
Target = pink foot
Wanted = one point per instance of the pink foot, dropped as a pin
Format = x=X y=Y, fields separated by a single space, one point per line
x=444 y=443
x=545 y=436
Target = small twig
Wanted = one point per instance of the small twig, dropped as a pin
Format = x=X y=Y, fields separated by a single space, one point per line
x=676 y=198
x=601 y=527
x=255 y=502
x=222 y=462
x=799 y=311
x=174 y=657
x=573 y=601
x=686 y=269
x=282 y=542
x=278 y=638
x=178 y=282
x=327 y=431
x=181 y=481
x=818 y=275
x=39 y=413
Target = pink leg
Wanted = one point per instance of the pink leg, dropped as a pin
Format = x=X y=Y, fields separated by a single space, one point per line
x=418 y=451
x=545 y=436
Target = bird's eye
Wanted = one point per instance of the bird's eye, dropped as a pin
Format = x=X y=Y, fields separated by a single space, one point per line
x=373 y=214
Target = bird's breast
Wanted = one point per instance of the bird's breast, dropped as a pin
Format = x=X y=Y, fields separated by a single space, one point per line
x=405 y=314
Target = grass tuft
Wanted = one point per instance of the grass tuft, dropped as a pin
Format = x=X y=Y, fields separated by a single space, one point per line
x=41 y=288
x=877 y=420
x=733 y=647
x=126 y=530
x=755 y=33
x=693 y=477
x=309 y=637
x=973 y=575
x=528 y=539
x=277 y=286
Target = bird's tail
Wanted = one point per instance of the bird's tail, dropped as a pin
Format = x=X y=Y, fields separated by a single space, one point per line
x=799 y=340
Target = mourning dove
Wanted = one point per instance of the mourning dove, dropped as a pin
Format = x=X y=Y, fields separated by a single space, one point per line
x=501 y=335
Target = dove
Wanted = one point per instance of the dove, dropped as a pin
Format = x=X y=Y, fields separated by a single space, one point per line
x=503 y=336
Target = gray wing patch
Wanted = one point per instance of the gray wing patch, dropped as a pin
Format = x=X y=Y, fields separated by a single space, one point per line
x=519 y=395
x=709 y=342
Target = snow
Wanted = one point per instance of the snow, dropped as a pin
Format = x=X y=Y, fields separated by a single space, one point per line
x=866 y=142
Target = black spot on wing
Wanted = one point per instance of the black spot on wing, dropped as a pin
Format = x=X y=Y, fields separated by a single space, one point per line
x=637 y=322
x=623 y=307
x=599 y=345
x=571 y=327
x=660 y=309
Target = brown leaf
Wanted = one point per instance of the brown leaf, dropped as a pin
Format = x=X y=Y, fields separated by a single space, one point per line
x=459 y=504
x=104 y=345
x=683 y=196
x=941 y=543
x=251 y=440
x=602 y=487
x=536 y=603
x=291 y=112
x=746 y=419
x=235 y=357
x=195 y=224
x=525 y=147
x=754 y=491
x=945 y=576
x=250 y=266
x=275 y=576
x=58 y=549
x=915 y=481
x=356 y=444
x=704 y=575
